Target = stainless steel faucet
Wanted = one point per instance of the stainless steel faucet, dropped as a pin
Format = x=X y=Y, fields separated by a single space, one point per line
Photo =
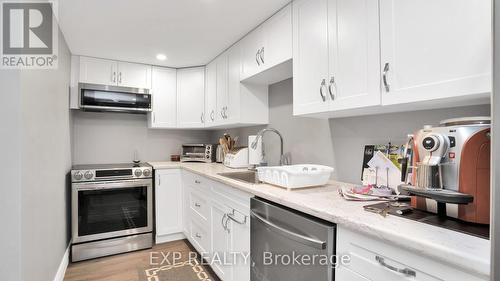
x=283 y=159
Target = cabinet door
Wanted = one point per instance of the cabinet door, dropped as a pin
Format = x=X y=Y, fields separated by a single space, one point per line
x=278 y=38
x=134 y=75
x=220 y=241
x=354 y=53
x=310 y=56
x=98 y=71
x=190 y=97
x=233 y=84
x=211 y=93
x=221 y=89
x=164 y=91
x=434 y=49
x=239 y=240
x=168 y=197
x=251 y=46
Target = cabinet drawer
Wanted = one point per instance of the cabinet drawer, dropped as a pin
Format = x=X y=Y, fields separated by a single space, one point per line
x=195 y=180
x=199 y=236
x=380 y=267
x=378 y=260
x=199 y=205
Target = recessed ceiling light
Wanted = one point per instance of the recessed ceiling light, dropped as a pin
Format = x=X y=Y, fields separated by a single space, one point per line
x=161 y=57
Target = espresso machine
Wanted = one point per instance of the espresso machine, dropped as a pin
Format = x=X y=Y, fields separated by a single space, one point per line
x=447 y=169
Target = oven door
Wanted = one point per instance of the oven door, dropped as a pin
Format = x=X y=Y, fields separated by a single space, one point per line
x=109 y=209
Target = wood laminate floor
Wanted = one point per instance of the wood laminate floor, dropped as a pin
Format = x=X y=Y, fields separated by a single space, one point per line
x=123 y=267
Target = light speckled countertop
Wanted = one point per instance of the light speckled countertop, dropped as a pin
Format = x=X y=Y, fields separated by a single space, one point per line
x=459 y=250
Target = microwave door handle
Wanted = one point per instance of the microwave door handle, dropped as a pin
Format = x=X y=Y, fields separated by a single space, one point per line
x=311 y=242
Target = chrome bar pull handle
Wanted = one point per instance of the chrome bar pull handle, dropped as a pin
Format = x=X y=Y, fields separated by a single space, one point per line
x=257 y=57
x=406 y=271
x=384 y=77
x=120 y=77
x=261 y=55
x=113 y=77
x=323 y=83
x=332 y=83
x=212 y=115
x=233 y=218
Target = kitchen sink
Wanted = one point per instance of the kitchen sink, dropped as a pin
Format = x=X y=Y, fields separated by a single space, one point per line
x=246 y=176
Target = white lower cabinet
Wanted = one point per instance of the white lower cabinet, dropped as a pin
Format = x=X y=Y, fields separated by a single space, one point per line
x=218 y=225
x=168 y=207
x=373 y=259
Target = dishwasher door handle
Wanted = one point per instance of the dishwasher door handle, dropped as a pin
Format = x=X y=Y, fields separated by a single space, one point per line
x=292 y=235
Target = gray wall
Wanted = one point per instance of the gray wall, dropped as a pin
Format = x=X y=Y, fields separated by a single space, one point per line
x=35 y=138
x=113 y=137
x=338 y=142
x=10 y=188
x=46 y=160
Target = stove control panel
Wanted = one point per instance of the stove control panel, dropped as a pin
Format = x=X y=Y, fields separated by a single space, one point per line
x=86 y=175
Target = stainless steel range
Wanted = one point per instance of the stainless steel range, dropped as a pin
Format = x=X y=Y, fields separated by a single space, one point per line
x=111 y=208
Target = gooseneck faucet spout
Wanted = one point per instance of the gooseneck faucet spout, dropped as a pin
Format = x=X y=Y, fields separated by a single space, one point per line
x=283 y=160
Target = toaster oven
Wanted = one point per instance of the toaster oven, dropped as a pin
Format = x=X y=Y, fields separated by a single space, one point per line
x=198 y=153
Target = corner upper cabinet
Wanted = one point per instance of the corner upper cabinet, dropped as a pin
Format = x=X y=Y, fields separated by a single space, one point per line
x=267 y=50
x=191 y=97
x=114 y=73
x=164 y=93
x=435 y=49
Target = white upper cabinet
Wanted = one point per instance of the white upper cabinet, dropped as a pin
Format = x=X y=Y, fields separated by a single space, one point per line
x=362 y=56
x=277 y=38
x=354 y=54
x=310 y=56
x=434 y=49
x=134 y=75
x=250 y=56
x=114 y=73
x=190 y=97
x=210 y=93
x=164 y=93
x=337 y=66
x=98 y=71
x=222 y=99
x=234 y=87
x=266 y=48
x=228 y=102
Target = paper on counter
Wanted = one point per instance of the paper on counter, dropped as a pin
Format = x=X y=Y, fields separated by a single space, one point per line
x=385 y=168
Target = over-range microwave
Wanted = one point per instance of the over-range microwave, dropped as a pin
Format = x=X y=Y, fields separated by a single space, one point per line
x=94 y=97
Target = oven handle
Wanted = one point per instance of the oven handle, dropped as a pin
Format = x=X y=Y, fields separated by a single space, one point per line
x=111 y=184
x=292 y=235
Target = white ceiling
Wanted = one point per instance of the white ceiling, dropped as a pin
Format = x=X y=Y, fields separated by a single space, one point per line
x=189 y=32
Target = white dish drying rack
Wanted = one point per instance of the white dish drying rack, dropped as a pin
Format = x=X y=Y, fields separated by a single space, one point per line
x=295 y=176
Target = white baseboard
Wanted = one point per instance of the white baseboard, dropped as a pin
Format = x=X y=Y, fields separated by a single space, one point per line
x=62 y=266
x=169 y=238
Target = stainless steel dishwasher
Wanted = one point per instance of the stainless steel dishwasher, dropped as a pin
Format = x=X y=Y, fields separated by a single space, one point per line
x=281 y=239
